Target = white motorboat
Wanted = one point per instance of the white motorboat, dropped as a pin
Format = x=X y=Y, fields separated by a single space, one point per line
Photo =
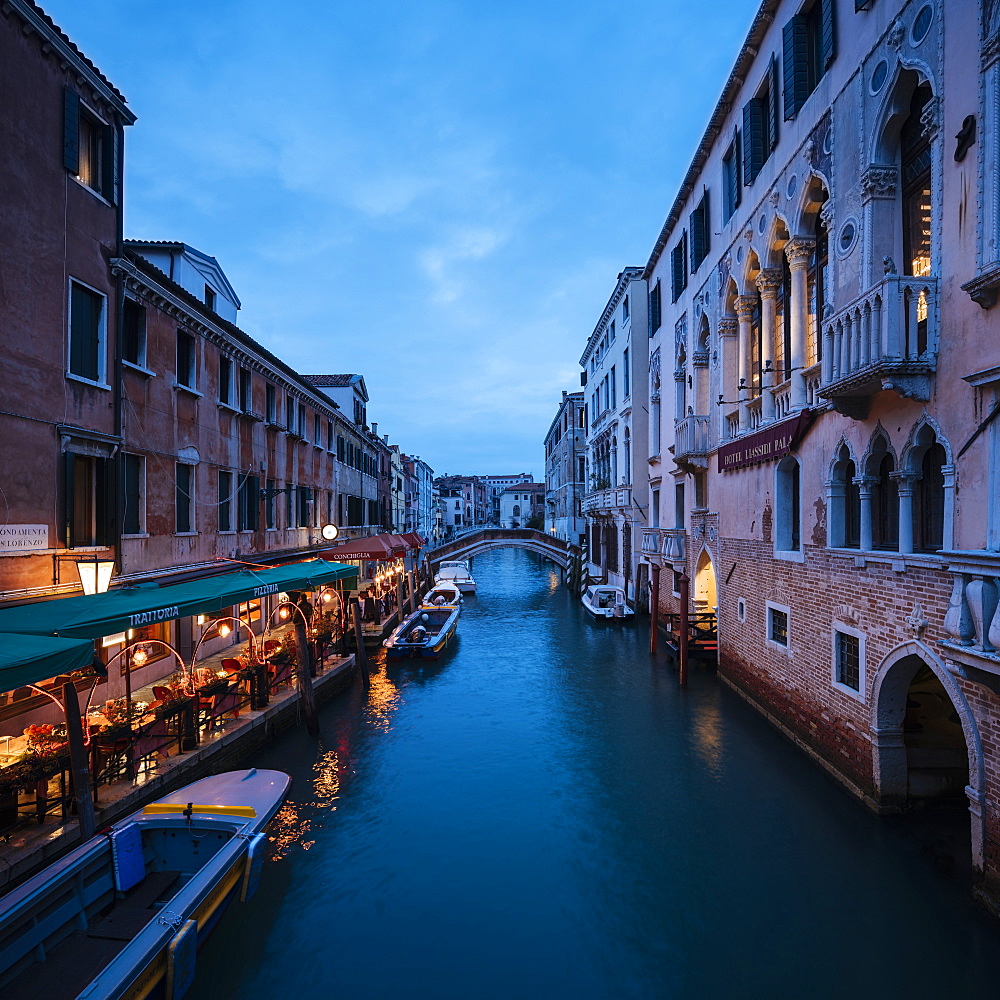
x=607 y=604
x=442 y=595
x=458 y=574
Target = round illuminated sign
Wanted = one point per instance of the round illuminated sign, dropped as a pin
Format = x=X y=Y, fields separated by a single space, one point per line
x=330 y=532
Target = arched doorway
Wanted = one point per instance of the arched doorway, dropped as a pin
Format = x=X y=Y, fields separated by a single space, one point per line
x=926 y=743
x=706 y=595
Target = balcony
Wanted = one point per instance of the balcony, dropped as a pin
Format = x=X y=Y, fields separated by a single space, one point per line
x=691 y=443
x=670 y=543
x=973 y=617
x=608 y=500
x=885 y=339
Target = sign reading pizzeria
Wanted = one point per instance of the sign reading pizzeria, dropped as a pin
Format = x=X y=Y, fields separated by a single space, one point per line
x=766 y=446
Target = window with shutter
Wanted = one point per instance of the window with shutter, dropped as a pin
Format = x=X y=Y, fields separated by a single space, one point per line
x=753 y=139
x=829 y=32
x=770 y=99
x=700 y=233
x=133 y=475
x=731 y=178
x=71 y=131
x=678 y=267
x=795 y=63
x=654 y=308
x=86 y=332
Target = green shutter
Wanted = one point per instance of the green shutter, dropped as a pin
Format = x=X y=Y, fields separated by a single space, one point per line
x=109 y=164
x=106 y=501
x=737 y=170
x=795 y=60
x=753 y=139
x=84 y=333
x=829 y=34
x=71 y=131
x=676 y=267
x=772 y=106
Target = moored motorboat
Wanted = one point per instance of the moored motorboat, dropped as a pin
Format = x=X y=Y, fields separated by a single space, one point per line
x=442 y=595
x=122 y=915
x=424 y=633
x=608 y=604
x=458 y=574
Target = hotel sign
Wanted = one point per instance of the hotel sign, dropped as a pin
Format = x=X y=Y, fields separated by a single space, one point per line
x=766 y=446
x=23 y=537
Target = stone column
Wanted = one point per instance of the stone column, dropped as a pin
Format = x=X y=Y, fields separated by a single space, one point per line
x=879 y=225
x=728 y=330
x=865 y=488
x=799 y=252
x=905 y=482
x=745 y=305
x=768 y=281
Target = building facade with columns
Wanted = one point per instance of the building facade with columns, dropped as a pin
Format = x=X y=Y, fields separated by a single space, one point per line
x=824 y=290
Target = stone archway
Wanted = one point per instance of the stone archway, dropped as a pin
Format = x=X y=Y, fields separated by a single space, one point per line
x=925 y=737
x=706 y=593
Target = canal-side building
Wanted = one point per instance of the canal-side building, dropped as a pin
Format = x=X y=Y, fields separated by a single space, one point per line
x=495 y=485
x=565 y=469
x=466 y=505
x=523 y=506
x=420 y=501
x=826 y=280
x=615 y=365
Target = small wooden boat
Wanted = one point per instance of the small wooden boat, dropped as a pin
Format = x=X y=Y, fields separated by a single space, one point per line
x=442 y=595
x=424 y=633
x=607 y=604
x=458 y=574
x=121 y=917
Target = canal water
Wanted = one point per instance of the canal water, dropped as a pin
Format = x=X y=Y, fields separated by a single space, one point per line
x=542 y=813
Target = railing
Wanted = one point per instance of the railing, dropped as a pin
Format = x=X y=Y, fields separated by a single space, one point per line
x=671 y=543
x=895 y=321
x=691 y=437
x=612 y=499
x=703 y=630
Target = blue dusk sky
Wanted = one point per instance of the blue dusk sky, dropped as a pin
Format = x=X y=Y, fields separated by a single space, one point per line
x=438 y=195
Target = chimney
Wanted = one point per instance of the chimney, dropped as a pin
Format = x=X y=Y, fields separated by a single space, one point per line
x=374 y=429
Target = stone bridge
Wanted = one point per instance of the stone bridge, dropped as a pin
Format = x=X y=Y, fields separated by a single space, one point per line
x=474 y=542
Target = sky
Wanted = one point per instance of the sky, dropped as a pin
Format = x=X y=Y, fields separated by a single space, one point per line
x=438 y=195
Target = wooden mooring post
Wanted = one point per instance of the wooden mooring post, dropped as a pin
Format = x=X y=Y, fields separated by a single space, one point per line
x=654 y=610
x=411 y=578
x=682 y=638
x=82 y=796
x=359 y=641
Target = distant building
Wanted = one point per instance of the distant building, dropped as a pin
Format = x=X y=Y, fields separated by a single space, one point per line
x=615 y=365
x=565 y=470
x=523 y=506
x=420 y=498
x=466 y=502
x=495 y=485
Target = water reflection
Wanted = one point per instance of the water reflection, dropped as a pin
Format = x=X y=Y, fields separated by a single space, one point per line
x=708 y=736
x=383 y=696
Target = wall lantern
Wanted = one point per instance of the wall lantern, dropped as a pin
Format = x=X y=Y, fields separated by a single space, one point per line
x=95 y=574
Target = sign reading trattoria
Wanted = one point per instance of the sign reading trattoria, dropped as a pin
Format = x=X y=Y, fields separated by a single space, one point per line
x=23 y=537
x=157 y=615
x=766 y=446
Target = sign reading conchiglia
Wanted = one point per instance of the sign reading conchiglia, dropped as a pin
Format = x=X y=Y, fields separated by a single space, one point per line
x=765 y=446
x=23 y=537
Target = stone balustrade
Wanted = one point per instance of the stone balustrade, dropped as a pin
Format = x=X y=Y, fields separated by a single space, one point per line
x=973 y=617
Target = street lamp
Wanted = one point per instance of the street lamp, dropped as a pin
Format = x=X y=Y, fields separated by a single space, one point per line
x=95 y=574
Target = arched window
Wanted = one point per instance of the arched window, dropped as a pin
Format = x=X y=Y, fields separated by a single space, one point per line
x=885 y=503
x=788 y=515
x=915 y=164
x=756 y=343
x=818 y=283
x=783 y=325
x=928 y=500
x=845 y=503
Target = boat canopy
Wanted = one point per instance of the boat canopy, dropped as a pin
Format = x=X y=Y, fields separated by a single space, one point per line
x=27 y=659
x=95 y=615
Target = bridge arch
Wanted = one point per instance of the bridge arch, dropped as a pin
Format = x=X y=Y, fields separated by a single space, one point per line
x=475 y=543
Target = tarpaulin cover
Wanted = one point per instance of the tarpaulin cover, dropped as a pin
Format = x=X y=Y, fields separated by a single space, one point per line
x=96 y=615
x=27 y=659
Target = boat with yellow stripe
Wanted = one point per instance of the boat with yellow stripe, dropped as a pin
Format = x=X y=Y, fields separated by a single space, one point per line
x=121 y=917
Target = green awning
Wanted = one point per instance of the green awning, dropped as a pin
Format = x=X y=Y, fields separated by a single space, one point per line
x=27 y=659
x=96 y=615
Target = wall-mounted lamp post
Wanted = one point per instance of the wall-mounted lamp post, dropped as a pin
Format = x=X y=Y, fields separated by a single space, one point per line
x=95 y=574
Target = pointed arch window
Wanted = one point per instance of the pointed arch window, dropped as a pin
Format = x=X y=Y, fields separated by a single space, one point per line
x=915 y=157
x=845 y=503
x=885 y=506
x=928 y=501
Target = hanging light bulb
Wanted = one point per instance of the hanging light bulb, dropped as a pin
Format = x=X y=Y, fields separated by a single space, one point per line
x=283 y=613
x=224 y=630
x=139 y=656
x=327 y=597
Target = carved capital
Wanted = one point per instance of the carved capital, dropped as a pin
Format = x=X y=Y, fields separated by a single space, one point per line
x=729 y=326
x=745 y=305
x=826 y=214
x=769 y=281
x=699 y=359
x=799 y=252
x=879 y=181
x=991 y=50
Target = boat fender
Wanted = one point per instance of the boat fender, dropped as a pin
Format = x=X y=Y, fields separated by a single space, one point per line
x=182 y=954
x=126 y=852
x=254 y=866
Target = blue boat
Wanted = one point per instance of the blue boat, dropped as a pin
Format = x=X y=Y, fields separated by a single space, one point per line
x=121 y=917
x=424 y=633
